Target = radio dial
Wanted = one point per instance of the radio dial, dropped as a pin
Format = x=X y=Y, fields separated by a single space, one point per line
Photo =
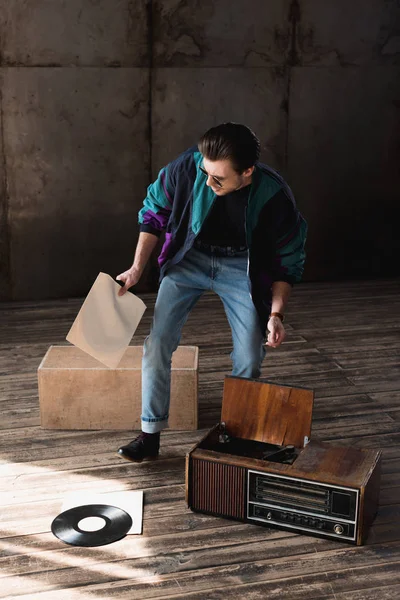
x=338 y=529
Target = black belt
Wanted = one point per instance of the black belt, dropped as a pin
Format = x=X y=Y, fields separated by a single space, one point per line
x=218 y=250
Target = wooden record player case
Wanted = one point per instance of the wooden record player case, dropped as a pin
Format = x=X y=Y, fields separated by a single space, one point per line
x=319 y=489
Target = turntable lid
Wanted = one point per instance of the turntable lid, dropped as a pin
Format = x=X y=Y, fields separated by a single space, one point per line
x=267 y=412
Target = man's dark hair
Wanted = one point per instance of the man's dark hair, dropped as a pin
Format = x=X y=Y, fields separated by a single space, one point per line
x=231 y=141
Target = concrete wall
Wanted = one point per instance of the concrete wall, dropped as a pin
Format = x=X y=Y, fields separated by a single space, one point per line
x=96 y=96
x=75 y=89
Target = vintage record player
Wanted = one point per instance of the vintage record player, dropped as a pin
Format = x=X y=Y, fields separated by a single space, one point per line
x=259 y=465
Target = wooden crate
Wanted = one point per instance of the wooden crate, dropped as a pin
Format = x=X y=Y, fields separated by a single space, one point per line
x=78 y=392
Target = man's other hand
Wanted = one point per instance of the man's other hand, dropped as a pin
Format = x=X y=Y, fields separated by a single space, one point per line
x=276 y=333
x=130 y=278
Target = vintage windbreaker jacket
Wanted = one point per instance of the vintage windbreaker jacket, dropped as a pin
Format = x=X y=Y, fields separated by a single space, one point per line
x=179 y=201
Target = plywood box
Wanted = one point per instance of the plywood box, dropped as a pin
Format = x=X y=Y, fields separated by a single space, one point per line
x=78 y=392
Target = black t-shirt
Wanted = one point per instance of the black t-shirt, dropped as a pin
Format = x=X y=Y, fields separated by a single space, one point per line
x=225 y=223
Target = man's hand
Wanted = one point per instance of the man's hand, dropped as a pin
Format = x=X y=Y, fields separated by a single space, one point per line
x=276 y=333
x=130 y=278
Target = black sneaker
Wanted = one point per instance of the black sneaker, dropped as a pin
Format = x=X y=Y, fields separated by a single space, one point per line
x=146 y=445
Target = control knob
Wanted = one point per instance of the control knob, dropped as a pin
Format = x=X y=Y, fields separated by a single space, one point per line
x=339 y=529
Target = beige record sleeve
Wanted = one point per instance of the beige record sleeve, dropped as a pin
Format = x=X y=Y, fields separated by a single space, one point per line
x=106 y=322
x=130 y=501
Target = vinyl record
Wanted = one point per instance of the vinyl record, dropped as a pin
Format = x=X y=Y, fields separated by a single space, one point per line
x=66 y=525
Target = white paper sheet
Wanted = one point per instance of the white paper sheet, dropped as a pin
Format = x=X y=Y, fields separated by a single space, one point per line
x=106 y=322
x=131 y=502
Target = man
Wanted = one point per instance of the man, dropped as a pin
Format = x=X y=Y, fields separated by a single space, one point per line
x=232 y=227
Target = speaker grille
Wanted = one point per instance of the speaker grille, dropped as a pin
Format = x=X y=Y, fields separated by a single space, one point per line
x=218 y=488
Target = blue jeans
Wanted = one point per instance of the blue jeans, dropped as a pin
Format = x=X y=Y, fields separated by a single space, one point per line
x=179 y=291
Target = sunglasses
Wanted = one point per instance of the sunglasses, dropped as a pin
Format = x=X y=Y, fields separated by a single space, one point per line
x=215 y=179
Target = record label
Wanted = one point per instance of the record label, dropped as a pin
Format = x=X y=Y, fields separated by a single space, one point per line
x=114 y=524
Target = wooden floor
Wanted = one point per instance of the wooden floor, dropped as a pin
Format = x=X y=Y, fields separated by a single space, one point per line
x=343 y=341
